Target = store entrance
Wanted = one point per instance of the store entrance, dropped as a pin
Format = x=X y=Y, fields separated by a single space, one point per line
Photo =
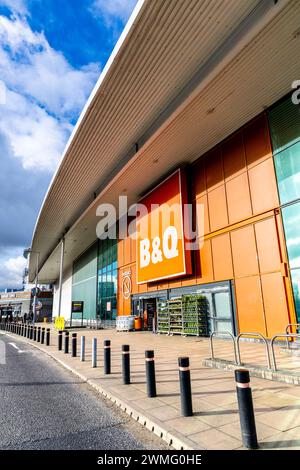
x=146 y=309
x=149 y=314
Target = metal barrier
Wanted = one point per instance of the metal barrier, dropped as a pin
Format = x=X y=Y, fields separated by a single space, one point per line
x=297 y=325
x=258 y=335
x=220 y=334
x=289 y=335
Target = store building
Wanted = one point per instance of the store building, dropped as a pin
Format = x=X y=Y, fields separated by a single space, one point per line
x=208 y=115
x=20 y=304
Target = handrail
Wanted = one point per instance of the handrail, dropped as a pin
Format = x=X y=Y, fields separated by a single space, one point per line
x=222 y=333
x=289 y=335
x=286 y=331
x=258 y=335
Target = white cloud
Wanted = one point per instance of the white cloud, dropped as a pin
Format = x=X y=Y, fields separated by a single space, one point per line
x=18 y=6
x=11 y=274
x=112 y=9
x=36 y=137
x=44 y=93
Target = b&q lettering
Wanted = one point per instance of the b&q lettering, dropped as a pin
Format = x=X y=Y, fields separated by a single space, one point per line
x=156 y=253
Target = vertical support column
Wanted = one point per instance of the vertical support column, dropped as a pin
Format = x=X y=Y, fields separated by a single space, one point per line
x=61 y=270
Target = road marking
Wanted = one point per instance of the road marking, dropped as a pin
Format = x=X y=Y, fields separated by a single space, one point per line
x=16 y=347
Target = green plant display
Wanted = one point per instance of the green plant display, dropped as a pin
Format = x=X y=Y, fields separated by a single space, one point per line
x=185 y=315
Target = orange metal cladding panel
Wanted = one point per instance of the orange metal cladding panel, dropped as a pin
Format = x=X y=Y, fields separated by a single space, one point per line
x=162 y=252
x=134 y=289
x=202 y=217
x=214 y=168
x=249 y=305
x=275 y=303
x=217 y=208
x=238 y=198
x=222 y=258
x=257 y=140
x=204 y=265
x=133 y=250
x=234 y=155
x=127 y=251
x=244 y=251
x=267 y=245
x=263 y=186
x=198 y=178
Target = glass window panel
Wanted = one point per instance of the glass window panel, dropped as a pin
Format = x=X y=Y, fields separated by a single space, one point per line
x=222 y=304
x=291 y=219
x=284 y=122
x=287 y=164
x=222 y=326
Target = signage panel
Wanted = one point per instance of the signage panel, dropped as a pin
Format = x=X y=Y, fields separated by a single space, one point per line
x=161 y=243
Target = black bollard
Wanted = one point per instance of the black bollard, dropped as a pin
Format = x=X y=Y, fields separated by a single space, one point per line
x=43 y=336
x=126 y=364
x=39 y=334
x=34 y=333
x=150 y=374
x=59 y=340
x=185 y=386
x=74 y=344
x=28 y=331
x=25 y=331
x=48 y=337
x=107 y=357
x=31 y=332
x=66 y=351
x=246 y=411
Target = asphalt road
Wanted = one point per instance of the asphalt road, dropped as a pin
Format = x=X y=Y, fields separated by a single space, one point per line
x=43 y=406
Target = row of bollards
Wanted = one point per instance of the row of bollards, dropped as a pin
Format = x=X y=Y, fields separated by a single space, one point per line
x=242 y=378
x=38 y=334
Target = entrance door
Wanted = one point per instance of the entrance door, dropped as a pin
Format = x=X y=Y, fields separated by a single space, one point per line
x=149 y=314
x=221 y=310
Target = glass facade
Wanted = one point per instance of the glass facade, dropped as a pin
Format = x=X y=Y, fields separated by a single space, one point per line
x=84 y=282
x=284 y=121
x=107 y=280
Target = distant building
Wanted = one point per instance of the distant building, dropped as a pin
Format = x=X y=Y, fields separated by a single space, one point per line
x=21 y=302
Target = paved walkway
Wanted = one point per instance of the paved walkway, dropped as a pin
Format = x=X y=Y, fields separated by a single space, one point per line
x=215 y=424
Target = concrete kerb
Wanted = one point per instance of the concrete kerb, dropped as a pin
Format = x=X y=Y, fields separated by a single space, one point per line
x=140 y=416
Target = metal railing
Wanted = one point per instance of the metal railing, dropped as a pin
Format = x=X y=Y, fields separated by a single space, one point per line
x=222 y=334
x=258 y=335
x=289 y=335
x=297 y=325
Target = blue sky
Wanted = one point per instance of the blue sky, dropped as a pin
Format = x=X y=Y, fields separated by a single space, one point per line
x=51 y=55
